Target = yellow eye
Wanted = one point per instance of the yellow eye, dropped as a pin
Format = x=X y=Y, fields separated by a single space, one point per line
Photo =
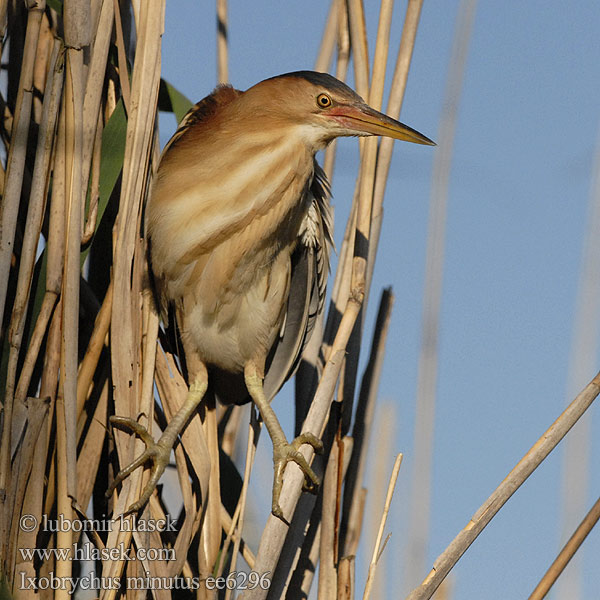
x=324 y=101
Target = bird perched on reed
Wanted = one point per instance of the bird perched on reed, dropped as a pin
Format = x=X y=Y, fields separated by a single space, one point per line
x=239 y=231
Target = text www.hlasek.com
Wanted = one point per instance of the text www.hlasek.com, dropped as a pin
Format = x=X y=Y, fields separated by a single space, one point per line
x=91 y=552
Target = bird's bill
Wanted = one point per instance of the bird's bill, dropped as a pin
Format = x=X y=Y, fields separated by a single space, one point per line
x=367 y=121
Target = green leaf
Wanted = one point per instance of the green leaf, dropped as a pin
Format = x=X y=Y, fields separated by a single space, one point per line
x=57 y=5
x=113 y=152
x=111 y=161
x=38 y=289
x=172 y=100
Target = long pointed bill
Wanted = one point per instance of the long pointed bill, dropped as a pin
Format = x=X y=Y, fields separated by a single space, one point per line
x=363 y=119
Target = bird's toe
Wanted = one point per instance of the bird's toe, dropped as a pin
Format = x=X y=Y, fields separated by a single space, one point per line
x=158 y=454
x=288 y=452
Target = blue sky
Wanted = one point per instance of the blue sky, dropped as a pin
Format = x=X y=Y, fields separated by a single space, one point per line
x=518 y=202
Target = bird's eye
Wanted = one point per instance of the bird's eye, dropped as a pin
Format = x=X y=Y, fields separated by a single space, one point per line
x=324 y=101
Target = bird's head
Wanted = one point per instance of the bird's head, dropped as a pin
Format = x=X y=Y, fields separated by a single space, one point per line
x=323 y=108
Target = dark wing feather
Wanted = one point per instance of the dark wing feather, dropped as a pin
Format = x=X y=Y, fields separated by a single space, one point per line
x=203 y=111
x=310 y=268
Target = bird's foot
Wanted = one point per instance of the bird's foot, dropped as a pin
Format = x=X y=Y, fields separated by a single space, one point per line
x=283 y=453
x=157 y=452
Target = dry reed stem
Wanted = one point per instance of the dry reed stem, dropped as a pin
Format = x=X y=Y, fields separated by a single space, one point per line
x=193 y=517
x=346 y=578
x=378 y=548
x=49 y=389
x=348 y=242
x=75 y=21
x=386 y=146
x=327 y=587
x=369 y=156
x=15 y=162
x=52 y=351
x=301 y=554
x=97 y=342
x=35 y=343
x=41 y=69
x=240 y=511
x=23 y=463
x=246 y=551
x=64 y=538
x=351 y=524
x=377 y=483
x=302 y=548
x=360 y=49
x=92 y=113
x=66 y=455
x=54 y=266
x=222 y=50
x=524 y=468
x=365 y=202
x=70 y=292
x=3 y=21
x=126 y=325
x=33 y=497
x=173 y=390
x=197 y=439
x=341 y=71
x=382 y=45
x=567 y=552
x=210 y=533
x=432 y=298
x=140 y=131
x=93 y=177
x=54 y=275
x=358 y=37
x=136 y=6
x=32 y=232
x=55 y=244
x=150 y=325
x=328 y=39
x=9 y=208
x=91 y=449
x=294 y=565
x=275 y=531
x=122 y=57
x=33 y=225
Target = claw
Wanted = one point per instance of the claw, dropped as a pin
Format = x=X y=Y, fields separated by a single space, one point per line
x=285 y=452
x=157 y=453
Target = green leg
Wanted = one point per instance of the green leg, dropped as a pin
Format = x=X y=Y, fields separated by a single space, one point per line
x=158 y=452
x=283 y=452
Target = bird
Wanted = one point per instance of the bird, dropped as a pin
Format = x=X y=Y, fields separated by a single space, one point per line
x=239 y=231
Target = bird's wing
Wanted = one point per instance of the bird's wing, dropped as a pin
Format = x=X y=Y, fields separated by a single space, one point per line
x=199 y=113
x=203 y=111
x=310 y=268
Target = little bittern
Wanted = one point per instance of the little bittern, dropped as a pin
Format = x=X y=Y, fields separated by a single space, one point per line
x=239 y=231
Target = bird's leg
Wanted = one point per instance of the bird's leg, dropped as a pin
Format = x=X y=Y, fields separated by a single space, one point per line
x=283 y=452
x=159 y=452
